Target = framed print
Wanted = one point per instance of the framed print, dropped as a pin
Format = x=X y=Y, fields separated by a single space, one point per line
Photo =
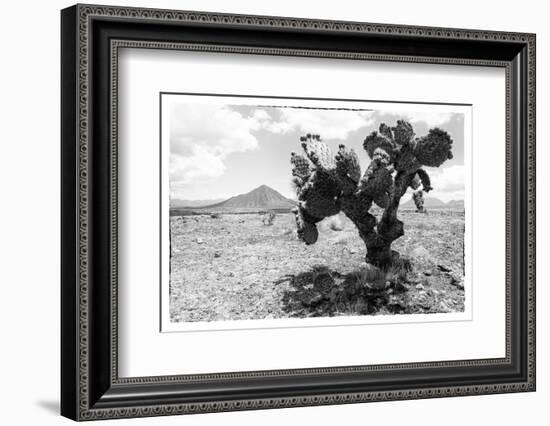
x=263 y=212
x=303 y=283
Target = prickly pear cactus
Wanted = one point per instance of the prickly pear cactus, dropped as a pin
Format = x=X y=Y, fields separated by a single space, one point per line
x=420 y=178
x=327 y=183
x=418 y=198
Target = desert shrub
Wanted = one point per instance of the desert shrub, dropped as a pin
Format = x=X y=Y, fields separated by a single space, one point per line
x=397 y=273
x=268 y=218
x=402 y=265
x=370 y=276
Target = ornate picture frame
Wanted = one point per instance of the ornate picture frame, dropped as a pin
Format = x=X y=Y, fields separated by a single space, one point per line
x=91 y=38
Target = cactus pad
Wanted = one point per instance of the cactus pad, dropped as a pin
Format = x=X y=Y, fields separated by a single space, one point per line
x=434 y=149
x=403 y=133
x=348 y=169
x=319 y=153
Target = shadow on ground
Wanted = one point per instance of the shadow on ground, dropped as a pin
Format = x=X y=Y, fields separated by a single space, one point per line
x=51 y=407
x=325 y=292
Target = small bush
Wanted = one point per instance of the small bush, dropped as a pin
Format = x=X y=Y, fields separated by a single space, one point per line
x=371 y=276
x=397 y=274
x=268 y=218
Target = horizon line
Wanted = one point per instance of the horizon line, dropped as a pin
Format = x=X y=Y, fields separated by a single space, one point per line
x=273 y=189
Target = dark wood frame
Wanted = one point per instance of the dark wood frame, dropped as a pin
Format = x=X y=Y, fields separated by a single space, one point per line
x=90 y=386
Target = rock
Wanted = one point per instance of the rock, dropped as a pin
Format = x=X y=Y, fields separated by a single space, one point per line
x=428 y=273
x=286 y=231
x=422 y=301
x=444 y=268
x=200 y=241
x=443 y=306
x=420 y=252
x=336 y=224
x=458 y=284
x=419 y=287
x=217 y=254
x=457 y=281
x=400 y=287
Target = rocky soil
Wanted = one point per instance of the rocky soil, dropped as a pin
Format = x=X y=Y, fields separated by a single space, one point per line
x=232 y=266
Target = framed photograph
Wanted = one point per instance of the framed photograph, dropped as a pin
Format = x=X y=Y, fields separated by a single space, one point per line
x=263 y=212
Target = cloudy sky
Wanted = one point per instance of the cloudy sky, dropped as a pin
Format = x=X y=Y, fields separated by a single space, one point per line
x=221 y=150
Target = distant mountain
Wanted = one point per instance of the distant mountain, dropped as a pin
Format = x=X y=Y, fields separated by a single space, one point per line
x=455 y=204
x=177 y=203
x=434 y=203
x=261 y=198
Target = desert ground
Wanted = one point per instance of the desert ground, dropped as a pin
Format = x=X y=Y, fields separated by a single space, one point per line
x=233 y=266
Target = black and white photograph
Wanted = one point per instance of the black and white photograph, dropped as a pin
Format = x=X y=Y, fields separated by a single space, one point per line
x=309 y=209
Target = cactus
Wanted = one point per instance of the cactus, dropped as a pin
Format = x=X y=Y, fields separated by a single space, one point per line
x=327 y=184
x=418 y=198
x=418 y=194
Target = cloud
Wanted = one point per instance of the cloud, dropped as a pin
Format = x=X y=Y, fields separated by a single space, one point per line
x=448 y=183
x=432 y=119
x=448 y=179
x=199 y=164
x=330 y=124
x=202 y=136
